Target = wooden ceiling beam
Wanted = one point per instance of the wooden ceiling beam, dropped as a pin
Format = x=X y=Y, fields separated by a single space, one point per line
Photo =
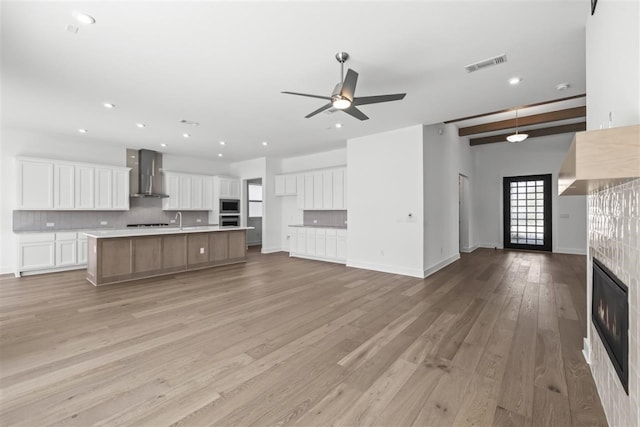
x=553 y=101
x=533 y=133
x=535 y=119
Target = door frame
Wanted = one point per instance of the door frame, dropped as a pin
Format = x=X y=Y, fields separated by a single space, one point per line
x=548 y=212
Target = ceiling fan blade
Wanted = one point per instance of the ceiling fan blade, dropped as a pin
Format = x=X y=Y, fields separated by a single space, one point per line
x=349 y=85
x=319 y=110
x=364 y=100
x=353 y=111
x=310 y=96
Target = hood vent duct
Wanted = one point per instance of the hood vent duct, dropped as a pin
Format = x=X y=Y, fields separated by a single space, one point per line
x=486 y=63
x=146 y=177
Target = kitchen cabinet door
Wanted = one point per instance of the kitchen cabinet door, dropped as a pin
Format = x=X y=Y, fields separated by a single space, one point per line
x=35 y=185
x=84 y=188
x=311 y=241
x=290 y=185
x=331 y=250
x=338 y=189
x=185 y=192
x=342 y=245
x=172 y=189
x=207 y=193
x=234 y=189
x=321 y=242
x=37 y=255
x=63 y=186
x=308 y=191
x=197 y=190
x=300 y=191
x=120 y=189
x=66 y=252
x=103 y=188
x=317 y=191
x=327 y=189
x=280 y=185
x=301 y=246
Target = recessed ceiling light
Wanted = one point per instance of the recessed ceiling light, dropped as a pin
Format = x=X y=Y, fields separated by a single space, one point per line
x=338 y=125
x=264 y=143
x=223 y=143
x=515 y=80
x=109 y=105
x=186 y=135
x=83 y=18
x=219 y=154
x=140 y=125
x=83 y=130
x=563 y=86
x=163 y=145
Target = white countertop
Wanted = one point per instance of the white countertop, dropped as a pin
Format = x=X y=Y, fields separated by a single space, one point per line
x=132 y=232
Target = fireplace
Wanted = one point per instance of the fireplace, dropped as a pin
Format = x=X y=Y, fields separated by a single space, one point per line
x=610 y=315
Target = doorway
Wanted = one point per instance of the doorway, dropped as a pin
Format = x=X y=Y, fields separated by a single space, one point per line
x=463 y=213
x=254 y=211
x=527 y=212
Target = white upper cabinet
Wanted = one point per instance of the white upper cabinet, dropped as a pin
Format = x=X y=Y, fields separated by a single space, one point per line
x=35 y=184
x=317 y=190
x=172 y=189
x=64 y=186
x=286 y=185
x=59 y=185
x=185 y=192
x=84 y=188
x=208 y=194
x=197 y=192
x=228 y=188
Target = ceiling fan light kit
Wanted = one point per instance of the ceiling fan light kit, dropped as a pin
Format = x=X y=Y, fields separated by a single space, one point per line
x=343 y=98
x=517 y=137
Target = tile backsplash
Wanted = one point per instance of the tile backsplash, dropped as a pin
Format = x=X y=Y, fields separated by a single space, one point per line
x=614 y=239
x=141 y=210
x=329 y=218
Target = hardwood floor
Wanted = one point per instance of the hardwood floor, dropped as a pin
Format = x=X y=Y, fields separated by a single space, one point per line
x=493 y=339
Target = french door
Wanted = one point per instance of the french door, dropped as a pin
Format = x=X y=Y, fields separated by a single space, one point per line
x=527 y=212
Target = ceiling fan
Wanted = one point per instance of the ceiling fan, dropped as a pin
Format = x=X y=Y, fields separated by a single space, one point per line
x=343 y=95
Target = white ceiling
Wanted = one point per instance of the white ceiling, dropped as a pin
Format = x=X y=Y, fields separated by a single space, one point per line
x=224 y=64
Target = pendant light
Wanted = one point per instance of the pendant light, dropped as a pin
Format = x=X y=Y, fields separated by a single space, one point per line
x=517 y=137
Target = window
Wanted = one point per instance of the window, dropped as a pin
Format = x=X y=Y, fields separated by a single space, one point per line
x=255 y=200
x=527 y=212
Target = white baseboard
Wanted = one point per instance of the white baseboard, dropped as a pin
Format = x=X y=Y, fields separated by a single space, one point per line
x=571 y=251
x=271 y=250
x=413 y=272
x=586 y=350
x=442 y=264
x=7 y=270
x=470 y=249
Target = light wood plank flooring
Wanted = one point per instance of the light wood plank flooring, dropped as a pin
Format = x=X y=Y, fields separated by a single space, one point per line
x=493 y=339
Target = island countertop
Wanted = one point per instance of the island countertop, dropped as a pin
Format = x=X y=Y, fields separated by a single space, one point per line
x=152 y=231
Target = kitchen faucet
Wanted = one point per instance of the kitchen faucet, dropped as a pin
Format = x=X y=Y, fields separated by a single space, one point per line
x=179 y=214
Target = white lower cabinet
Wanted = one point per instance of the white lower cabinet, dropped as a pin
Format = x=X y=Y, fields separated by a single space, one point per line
x=324 y=244
x=51 y=251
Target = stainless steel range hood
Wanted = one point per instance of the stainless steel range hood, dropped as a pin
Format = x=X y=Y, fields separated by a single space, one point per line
x=146 y=179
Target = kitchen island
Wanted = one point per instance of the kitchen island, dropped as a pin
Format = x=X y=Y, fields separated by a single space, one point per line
x=121 y=255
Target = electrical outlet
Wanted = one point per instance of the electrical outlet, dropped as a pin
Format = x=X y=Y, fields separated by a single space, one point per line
x=103 y=223
x=315 y=221
x=172 y=221
x=198 y=220
x=51 y=224
x=201 y=251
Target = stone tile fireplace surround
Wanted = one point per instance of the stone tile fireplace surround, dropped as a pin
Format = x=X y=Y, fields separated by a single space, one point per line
x=614 y=239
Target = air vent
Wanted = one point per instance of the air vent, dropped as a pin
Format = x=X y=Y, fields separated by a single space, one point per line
x=189 y=122
x=486 y=63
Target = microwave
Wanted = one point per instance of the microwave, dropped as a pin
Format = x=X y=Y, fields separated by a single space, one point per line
x=229 y=206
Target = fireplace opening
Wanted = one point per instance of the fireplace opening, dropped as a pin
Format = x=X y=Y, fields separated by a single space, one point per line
x=610 y=316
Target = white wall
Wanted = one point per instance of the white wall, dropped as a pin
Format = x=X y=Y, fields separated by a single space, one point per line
x=384 y=182
x=445 y=156
x=613 y=64
x=532 y=157
x=34 y=144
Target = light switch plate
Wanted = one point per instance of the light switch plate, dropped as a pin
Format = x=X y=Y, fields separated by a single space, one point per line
x=51 y=224
x=202 y=250
x=103 y=223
